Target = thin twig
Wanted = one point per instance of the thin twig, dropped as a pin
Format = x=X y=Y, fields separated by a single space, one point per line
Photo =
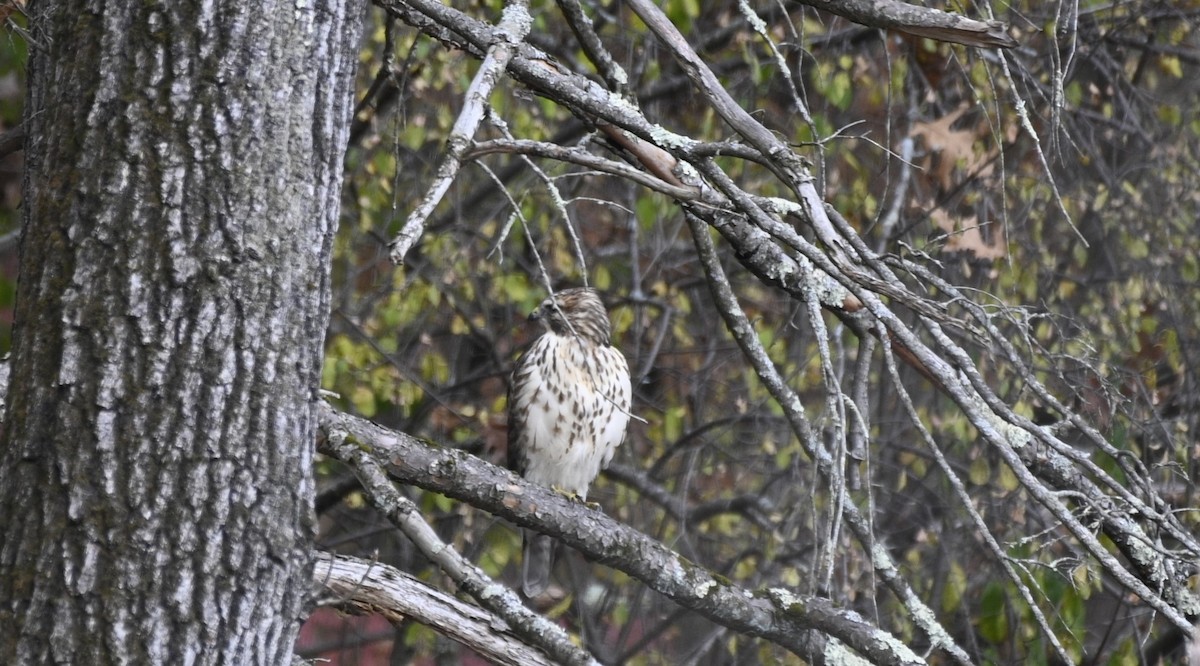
x=964 y=499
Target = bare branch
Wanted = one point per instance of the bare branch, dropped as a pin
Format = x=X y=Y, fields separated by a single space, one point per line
x=738 y=325
x=790 y=165
x=964 y=499
x=800 y=623
x=582 y=158
x=345 y=445
x=614 y=75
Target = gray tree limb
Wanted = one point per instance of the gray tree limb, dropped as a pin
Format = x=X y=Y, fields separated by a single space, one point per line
x=362 y=586
x=350 y=441
x=798 y=622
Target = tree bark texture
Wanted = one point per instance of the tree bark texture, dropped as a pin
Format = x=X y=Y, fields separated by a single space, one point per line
x=183 y=173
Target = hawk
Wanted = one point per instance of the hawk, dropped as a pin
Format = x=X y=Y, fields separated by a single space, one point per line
x=568 y=406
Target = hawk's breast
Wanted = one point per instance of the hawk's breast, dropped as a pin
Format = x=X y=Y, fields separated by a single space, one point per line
x=570 y=409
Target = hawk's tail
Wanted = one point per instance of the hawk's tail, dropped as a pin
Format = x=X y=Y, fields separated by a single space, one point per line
x=536 y=562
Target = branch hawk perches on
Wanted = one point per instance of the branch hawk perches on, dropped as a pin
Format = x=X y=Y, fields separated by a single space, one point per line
x=568 y=406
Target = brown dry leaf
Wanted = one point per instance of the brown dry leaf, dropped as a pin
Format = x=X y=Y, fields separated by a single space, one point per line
x=965 y=236
x=7 y=9
x=954 y=147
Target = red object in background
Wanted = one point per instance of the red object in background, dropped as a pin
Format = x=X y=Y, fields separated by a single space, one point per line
x=338 y=639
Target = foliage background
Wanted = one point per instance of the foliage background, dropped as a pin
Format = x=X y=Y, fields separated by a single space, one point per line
x=1080 y=236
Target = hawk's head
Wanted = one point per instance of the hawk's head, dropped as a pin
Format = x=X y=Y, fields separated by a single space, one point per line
x=578 y=312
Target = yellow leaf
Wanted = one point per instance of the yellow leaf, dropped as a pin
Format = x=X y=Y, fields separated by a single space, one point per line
x=603 y=279
x=956 y=585
x=1008 y=480
x=979 y=472
x=364 y=401
x=1171 y=65
x=1082 y=580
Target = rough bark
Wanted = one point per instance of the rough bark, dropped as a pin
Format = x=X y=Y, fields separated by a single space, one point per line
x=181 y=195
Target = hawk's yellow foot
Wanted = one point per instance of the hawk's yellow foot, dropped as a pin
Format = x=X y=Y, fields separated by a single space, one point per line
x=574 y=497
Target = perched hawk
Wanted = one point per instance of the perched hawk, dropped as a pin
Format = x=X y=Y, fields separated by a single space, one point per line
x=568 y=405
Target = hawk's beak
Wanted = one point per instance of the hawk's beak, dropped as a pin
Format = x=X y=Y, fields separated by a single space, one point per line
x=536 y=314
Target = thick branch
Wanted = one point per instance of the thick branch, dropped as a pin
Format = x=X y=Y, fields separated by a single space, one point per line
x=362 y=586
x=345 y=445
x=799 y=623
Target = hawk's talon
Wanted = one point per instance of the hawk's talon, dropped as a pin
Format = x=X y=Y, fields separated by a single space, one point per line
x=569 y=494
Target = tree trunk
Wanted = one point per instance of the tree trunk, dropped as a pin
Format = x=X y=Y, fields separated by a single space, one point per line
x=183 y=170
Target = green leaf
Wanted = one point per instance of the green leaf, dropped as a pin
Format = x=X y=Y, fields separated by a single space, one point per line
x=955 y=587
x=993 y=614
x=840 y=92
x=980 y=472
x=363 y=400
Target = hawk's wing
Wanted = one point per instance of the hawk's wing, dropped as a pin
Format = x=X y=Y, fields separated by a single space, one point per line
x=614 y=392
x=523 y=392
